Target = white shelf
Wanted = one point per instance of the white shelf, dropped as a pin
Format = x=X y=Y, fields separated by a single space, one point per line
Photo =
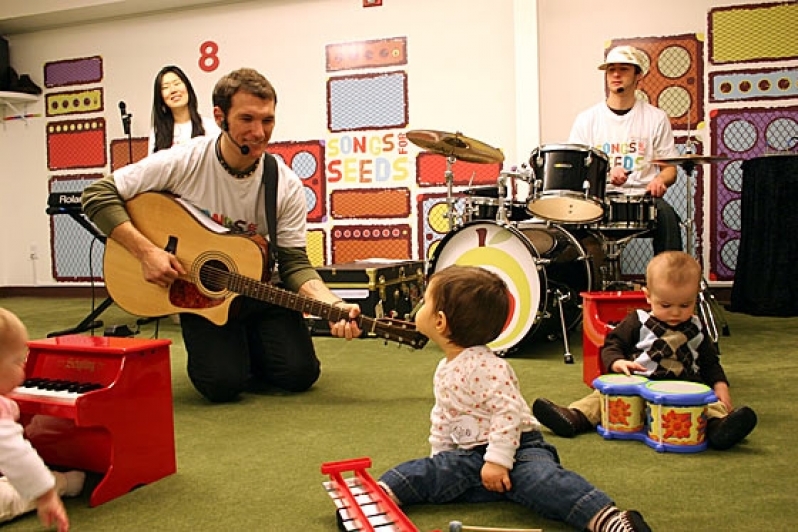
x=17 y=102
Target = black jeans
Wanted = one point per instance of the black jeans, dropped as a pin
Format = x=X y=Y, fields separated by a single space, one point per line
x=667 y=236
x=260 y=346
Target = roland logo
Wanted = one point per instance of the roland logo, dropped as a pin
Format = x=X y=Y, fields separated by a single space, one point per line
x=68 y=198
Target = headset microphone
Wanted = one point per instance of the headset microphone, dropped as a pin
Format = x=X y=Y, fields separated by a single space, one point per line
x=244 y=149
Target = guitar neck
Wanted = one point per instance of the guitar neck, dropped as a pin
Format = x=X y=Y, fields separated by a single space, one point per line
x=291 y=300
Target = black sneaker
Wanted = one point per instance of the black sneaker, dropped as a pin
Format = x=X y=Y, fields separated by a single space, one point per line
x=634 y=521
x=564 y=422
x=724 y=433
x=26 y=85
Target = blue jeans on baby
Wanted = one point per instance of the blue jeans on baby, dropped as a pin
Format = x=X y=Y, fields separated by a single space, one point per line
x=539 y=482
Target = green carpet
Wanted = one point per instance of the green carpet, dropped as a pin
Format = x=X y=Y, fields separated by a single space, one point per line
x=254 y=465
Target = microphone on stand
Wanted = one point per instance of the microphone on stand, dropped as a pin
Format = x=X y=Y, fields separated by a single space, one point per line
x=125 y=117
x=126 y=128
x=243 y=148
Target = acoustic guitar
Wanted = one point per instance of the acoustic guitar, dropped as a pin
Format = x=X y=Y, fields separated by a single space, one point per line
x=221 y=266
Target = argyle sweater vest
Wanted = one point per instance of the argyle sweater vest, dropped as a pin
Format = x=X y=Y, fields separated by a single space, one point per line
x=669 y=352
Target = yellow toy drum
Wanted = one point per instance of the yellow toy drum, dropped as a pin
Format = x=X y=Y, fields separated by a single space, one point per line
x=623 y=410
x=677 y=415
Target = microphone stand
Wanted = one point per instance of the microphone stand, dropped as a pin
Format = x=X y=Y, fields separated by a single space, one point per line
x=126 y=127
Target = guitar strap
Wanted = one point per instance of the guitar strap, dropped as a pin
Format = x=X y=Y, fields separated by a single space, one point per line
x=270 y=184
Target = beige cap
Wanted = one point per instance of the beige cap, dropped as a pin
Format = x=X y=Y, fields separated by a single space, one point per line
x=628 y=55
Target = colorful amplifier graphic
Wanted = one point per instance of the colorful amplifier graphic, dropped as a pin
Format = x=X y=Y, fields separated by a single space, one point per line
x=360 y=242
x=317 y=247
x=367 y=101
x=81 y=71
x=752 y=85
x=76 y=144
x=742 y=134
x=366 y=54
x=753 y=33
x=306 y=159
x=124 y=152
x=674 y=74
x=74 y=102
x=431 y=171
x=371 y=203
x=434 y=222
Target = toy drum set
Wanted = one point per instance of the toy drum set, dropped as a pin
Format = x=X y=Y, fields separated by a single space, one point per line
x=665 y=415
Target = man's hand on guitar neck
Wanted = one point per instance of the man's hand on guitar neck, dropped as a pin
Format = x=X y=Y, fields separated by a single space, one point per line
x=346 y=328
x=316 y=289
x=158 y=266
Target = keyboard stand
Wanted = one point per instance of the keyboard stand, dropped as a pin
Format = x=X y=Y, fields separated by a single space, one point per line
x=90 y=322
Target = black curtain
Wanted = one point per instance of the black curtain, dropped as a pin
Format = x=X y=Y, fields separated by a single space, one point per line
x=766 y=276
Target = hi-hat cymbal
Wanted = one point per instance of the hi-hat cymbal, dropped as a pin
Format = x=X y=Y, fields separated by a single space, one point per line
x=455 y=145
x=691 y=158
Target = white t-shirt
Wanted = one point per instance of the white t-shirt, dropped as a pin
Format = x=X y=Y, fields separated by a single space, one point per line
x=182 y=133
x=630 y=140
x=192 y=171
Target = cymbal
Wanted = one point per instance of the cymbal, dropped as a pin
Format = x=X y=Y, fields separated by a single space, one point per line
x=455 y=145
x=691 y=158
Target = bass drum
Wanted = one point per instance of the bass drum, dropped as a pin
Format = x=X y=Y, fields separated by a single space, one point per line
x=540 y=264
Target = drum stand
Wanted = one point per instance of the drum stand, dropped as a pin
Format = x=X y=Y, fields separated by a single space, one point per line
x=709 y=311
x=611 y=272
x=568 y=358
x=449 y=176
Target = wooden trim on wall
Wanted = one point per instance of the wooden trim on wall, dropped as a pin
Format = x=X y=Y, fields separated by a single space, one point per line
x=53 y=291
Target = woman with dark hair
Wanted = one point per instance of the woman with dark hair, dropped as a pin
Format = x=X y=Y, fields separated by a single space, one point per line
x=175 y=118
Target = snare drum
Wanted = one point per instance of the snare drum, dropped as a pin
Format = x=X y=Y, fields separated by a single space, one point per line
x=677 y=415
x=628 y=214
x=482 y=203
x=478 y=208
x=568 y=183
x=623 y=410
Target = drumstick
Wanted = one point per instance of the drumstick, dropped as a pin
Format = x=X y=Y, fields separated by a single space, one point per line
x=457 y=526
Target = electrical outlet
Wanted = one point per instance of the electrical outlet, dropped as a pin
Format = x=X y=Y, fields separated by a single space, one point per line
x=34 y=251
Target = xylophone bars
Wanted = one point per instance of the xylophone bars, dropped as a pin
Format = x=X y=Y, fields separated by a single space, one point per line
x=367 y=508
x=361 y=490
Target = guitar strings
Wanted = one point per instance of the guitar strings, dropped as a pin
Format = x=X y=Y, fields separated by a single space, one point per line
x=223 y=277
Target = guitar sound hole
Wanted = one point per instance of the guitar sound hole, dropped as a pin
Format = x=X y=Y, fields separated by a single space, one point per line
x=213 y=276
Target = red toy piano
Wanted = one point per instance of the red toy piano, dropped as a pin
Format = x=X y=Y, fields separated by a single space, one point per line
x=601 y=311
x=103 y=405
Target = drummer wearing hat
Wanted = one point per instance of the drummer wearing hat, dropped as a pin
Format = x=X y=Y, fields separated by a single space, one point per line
x=632 y=132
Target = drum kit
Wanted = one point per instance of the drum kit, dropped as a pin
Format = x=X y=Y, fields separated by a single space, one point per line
x=564 y=239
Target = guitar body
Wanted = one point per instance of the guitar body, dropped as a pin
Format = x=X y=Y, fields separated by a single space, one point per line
x=203 y=253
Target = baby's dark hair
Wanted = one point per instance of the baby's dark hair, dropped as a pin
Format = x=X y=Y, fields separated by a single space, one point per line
x=475 y=301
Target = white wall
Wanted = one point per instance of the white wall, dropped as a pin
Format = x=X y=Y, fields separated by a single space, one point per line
x=461 y=69
x=573 y=35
